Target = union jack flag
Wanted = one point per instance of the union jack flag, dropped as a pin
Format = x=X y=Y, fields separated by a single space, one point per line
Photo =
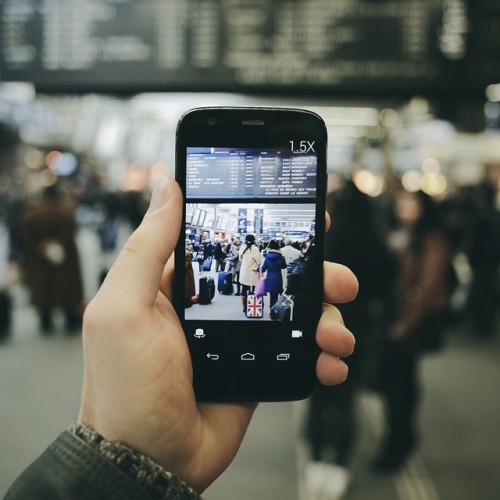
x=255 y=306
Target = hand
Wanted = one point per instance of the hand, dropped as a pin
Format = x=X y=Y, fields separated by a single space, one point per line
x=137 y=370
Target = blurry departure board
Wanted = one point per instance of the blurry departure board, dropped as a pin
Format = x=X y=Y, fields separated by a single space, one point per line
x=353 y=46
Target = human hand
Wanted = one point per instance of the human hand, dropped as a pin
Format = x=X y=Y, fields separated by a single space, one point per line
x=137 y=369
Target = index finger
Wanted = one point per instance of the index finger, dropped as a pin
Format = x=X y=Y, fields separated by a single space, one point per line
x=339 y=283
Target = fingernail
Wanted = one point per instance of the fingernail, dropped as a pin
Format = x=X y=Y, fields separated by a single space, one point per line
x=161 y=194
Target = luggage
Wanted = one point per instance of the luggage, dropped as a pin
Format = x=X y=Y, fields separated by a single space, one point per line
x=5 y=314
x=282 y=309
x=207 y=264
x=207 y=290
x=255 y=306
x=225 y=283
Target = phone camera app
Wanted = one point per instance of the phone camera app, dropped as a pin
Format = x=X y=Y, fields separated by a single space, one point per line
x=250 y=257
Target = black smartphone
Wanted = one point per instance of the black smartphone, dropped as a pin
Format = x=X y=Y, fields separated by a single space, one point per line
x=249 y=262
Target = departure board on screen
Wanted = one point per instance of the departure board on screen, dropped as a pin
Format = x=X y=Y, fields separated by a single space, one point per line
x=249 y=173
x=243 y=45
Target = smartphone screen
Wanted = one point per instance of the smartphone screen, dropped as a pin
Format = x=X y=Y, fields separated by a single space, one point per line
x=249 y=261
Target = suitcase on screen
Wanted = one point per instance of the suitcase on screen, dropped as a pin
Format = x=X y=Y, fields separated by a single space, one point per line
x=207 y=264
x=225 y=283
x=255 y=306
x=207 y=290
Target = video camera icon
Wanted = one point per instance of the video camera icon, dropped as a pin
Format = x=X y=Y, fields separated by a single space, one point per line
x=296 y=334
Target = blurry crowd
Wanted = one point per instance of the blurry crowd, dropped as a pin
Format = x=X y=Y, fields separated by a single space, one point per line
x=41 y=246
x=229 y=256
x=58 y=247
x=276 y=268
x=426 y=269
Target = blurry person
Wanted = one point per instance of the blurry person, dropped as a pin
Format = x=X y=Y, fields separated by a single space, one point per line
x=140 y=433
x=484 y=258
x=235 y=263
x=298 y=281
x=290 y=254
x=250 y=259
x=274 y=262
x=421 y=308
x=189 y=286
x=331 y=423
x=198 y=254
x=52 y=260
x=208 y=251
x=5 y=299
x=226 y=247
x=219 y=256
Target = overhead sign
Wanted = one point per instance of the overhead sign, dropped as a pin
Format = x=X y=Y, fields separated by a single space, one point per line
x=351 y=46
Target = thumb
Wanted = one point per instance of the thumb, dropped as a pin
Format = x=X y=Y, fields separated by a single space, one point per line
x=139 y=267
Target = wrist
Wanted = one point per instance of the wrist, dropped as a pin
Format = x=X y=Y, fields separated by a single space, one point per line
x=151 y=477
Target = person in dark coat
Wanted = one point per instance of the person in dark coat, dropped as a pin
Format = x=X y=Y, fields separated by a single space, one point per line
x=208 y=252
x=234 y=260
x=484 y=258
x=298 y=276
x=189 y=286
x=219 y=256
x=421 y=298
x=273 y=264
x=331 y=427
x=52 y=261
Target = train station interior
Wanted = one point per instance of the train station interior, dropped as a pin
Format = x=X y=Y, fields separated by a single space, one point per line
x=91 y=93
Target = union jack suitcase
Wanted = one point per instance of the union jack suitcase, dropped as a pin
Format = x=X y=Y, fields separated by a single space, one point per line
x=255 y=306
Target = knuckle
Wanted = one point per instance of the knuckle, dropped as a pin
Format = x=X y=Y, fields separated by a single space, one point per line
x=132 y=245
x=91 y=315
x=100 y=317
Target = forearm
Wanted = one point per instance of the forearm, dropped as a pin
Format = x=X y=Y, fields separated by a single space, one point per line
x=80 y=464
